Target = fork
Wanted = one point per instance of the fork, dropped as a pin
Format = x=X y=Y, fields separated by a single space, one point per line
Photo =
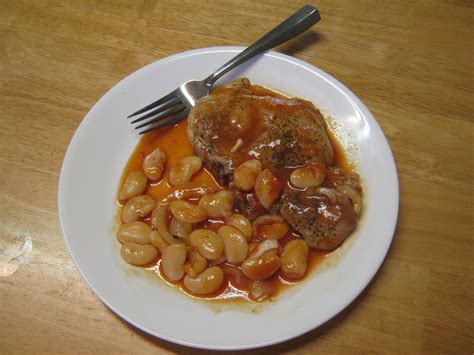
x=176 y=105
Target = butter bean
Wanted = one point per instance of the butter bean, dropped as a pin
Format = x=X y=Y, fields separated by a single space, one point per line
x=172 y=261
x=154 y=164
x=294 y=259
x=184 y=170
x=246 y=174
x=235 y=244
x=137 y=254
x=196 y=264
x=267 y=188
x=137 y=207
x=135 y=184
x=219 y=204
x=187 y=212
x=135 y=232
x=206 y=282
x=207 y=243
x=311 y=175
x=262 y=267
x=158 y=241
x=241 y=223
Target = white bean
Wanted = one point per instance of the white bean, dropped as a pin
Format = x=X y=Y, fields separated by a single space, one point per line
x=235 y=244
x=267 y=188
x=184 y=170
x=137 y=254
x=196 y=263
x=294 y=259
x=246 y=173
x=274 y=231
x=206 y=282
x=219 y=204
x=262 y=267
x=270 y=227
x=242 y=224
x=172 y=261
x=135 y=184
x=158 y=241
x=159 y=221
x=207 y=243
x=154 y=164
x=311 y=175
x=136 y=232
x=187 y=212
x=137 y=207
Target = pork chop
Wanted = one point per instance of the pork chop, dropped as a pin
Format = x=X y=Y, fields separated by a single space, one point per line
x=323 y=216
x=242 y=121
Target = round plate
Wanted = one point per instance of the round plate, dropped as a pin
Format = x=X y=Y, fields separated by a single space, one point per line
x=105 y=140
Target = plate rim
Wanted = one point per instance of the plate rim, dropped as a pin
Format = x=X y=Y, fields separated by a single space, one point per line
x=235 y=49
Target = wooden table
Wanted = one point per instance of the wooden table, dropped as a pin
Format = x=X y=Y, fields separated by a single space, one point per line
x=410 y=62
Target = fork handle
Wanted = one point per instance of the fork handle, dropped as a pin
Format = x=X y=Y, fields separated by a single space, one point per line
x=297 y=23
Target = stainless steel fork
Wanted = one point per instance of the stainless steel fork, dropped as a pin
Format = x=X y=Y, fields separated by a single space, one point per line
x=176 y=105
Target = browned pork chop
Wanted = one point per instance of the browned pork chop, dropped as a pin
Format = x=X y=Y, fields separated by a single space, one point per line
x=323 y=216
x=242 y=121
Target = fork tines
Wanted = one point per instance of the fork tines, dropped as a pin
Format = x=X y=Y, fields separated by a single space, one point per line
x=169 y=109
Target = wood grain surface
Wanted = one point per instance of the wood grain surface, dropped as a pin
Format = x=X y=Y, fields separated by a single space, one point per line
x=410 y=62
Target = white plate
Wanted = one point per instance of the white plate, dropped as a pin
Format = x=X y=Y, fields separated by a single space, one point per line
x=103 y=143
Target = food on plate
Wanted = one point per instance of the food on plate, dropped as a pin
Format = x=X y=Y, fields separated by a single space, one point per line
x=323 y=216
x=242 y=199
x=154 y=164
x=281 y=133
